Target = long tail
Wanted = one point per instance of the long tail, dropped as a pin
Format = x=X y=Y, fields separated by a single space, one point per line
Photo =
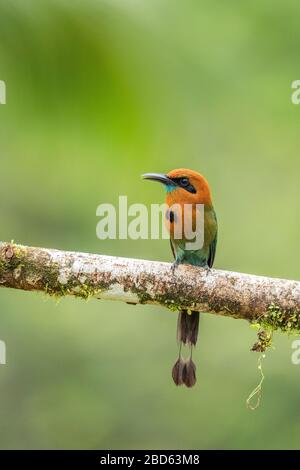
x=184 y=371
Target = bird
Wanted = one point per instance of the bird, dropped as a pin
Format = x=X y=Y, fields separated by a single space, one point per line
x=186 y=192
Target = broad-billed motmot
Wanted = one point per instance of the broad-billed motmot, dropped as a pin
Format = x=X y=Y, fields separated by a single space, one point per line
x=187 y=192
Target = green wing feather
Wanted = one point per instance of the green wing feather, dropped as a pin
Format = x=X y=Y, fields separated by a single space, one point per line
x=212 y=251
x=213 y=245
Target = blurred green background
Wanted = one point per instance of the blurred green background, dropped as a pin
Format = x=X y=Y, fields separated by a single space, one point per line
x=99 y=92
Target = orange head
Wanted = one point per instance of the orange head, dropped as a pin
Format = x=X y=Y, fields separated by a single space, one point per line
x=183 y=187
x=186 y=189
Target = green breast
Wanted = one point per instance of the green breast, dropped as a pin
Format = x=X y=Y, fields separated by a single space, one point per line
x=203 y=256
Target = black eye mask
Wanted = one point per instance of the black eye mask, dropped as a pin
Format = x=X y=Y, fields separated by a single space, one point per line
x=184 y=183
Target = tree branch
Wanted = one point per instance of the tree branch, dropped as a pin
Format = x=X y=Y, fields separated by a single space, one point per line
x=136 y=281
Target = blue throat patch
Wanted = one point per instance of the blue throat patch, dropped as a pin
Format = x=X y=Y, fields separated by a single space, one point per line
x=170 y=188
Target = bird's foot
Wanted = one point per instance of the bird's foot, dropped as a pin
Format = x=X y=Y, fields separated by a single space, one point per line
x=207 y=270
x=174 y=266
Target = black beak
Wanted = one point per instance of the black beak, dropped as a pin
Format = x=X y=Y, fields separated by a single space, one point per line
x=164 y=179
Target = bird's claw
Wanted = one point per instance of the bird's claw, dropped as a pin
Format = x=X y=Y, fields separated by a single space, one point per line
x=174 y=266
x=207 y=270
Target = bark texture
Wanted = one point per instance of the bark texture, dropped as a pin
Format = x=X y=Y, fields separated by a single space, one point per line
x=136 y=281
